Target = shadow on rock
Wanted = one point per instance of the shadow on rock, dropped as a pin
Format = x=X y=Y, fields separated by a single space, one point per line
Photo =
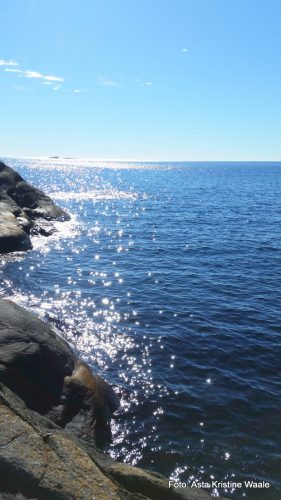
x=24 y=210
x=40 y=367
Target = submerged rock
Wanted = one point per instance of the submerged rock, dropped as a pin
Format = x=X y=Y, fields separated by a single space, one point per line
x=49 y=400
x=20 y=206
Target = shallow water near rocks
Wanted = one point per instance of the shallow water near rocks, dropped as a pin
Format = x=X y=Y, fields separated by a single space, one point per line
x=166 y=281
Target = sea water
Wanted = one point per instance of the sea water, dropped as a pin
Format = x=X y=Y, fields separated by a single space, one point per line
x=167 y=282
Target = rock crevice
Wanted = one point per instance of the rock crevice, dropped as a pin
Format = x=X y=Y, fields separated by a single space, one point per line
x=42 y=455
x=54 y=411
x=24 y=210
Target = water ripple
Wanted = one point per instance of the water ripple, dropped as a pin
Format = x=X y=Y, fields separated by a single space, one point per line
x=166 y=281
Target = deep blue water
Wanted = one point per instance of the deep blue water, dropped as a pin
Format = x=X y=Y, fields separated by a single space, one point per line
x=167 y=281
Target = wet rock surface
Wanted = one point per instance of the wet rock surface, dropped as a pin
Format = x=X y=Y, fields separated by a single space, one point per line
x=24 y=209
x=53 y=412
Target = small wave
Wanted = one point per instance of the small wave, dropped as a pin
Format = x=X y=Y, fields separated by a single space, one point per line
x=63 y=230
x=95 y=195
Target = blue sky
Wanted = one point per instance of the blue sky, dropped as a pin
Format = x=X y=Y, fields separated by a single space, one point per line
x=141 y=79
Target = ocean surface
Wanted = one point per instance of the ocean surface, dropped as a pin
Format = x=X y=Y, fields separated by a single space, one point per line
x=167 y=281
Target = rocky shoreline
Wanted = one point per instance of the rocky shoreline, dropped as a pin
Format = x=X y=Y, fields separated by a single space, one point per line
x=24 y=210
x=55 y=412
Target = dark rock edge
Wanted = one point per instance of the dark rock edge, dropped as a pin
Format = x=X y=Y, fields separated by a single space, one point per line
x=53 y=410
x=24 y=211
x=50 y=416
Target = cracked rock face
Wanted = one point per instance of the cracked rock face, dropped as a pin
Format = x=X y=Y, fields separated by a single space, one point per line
x=23 y=208
x=49 y=400
x=38 y=460
x=47 y=465
x=13 y=236
x=40 y=367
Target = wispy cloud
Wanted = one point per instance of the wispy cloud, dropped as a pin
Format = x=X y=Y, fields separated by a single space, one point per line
x=8 y=63
x=51 y=78
x=36 y=75
x=76 y=91
x=57 y=82
x=31 y=74
x=107 y=82
x=45 y=79
x=141 y=83
x=12 y=70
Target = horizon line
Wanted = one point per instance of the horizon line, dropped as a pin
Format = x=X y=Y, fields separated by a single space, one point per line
x=135 y=160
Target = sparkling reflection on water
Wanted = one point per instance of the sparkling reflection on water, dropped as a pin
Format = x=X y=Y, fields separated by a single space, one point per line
x=166 y=281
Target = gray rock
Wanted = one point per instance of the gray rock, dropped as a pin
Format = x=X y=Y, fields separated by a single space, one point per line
x=38 y=460
x=43 y=389
x=26 y=204
x=41 y=461
x=12 y=236
x=25 y=223
x=41 y=368
x=43 y=227
x=8 y=204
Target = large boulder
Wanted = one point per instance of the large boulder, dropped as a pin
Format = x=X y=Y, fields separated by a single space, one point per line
x=49 y=400
x=41 y=461
x=13 y=237
x=23 y=208
x=41 y=368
